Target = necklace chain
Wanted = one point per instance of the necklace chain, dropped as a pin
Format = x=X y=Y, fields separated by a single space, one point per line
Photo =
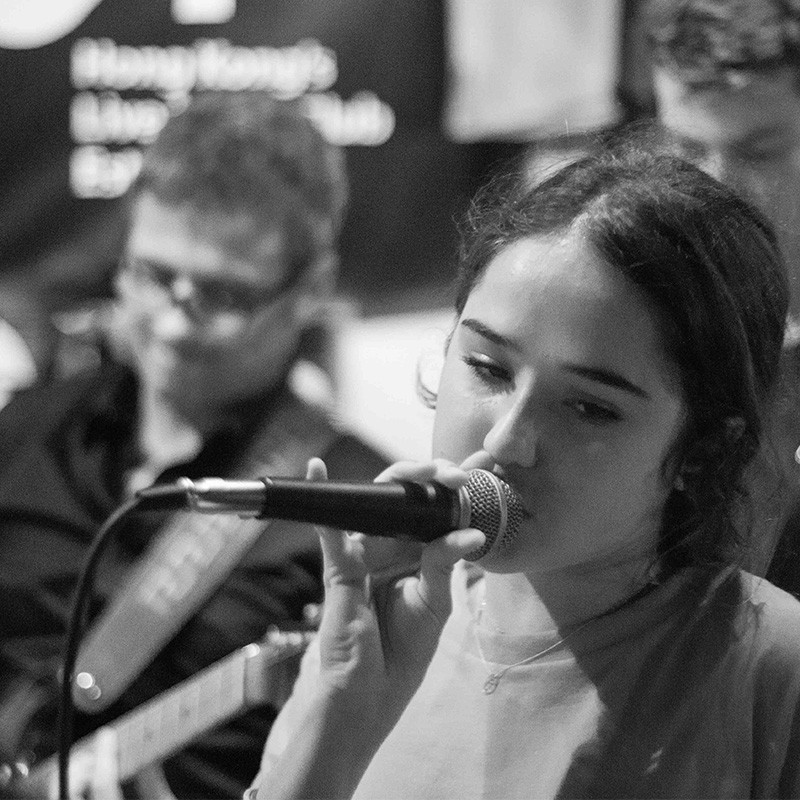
x=493 y=678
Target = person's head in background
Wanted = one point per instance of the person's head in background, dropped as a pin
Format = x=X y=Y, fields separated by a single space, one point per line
x=232 y=237
x=727 y=88
x=621 y=264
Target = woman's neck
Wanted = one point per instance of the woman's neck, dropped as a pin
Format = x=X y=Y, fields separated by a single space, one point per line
x=517 y=603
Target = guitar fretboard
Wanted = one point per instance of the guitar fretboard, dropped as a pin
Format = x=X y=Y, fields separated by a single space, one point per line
x=162 y=726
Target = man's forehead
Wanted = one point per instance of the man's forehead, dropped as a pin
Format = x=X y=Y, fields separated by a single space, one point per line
x=242 y=234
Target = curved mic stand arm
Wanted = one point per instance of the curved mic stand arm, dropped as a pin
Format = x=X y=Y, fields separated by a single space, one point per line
x=77 y=613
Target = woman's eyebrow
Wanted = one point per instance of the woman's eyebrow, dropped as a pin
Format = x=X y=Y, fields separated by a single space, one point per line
x=488 y=333
x=607 y=377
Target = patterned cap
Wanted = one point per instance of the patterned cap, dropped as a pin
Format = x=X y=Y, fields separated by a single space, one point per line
x=712 y=41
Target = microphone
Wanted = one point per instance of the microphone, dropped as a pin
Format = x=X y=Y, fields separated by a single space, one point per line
x=419 y=512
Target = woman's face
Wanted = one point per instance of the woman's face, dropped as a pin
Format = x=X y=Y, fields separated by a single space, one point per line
x=556 y=371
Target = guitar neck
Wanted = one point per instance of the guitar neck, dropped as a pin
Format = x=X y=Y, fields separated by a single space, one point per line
x=164 y=725
x=246 y=678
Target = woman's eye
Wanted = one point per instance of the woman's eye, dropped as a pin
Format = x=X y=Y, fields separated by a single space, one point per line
x=594 y=412
x=487 y=370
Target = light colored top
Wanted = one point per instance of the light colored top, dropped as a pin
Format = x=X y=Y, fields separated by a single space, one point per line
x=692 y=690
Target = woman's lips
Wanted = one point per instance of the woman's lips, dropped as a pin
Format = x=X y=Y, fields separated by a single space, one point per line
x=506 y=478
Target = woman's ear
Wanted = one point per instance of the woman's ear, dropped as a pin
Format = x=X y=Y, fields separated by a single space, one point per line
x=430 y=363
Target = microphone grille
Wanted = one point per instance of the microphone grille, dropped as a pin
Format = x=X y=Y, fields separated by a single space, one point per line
x=495 y=509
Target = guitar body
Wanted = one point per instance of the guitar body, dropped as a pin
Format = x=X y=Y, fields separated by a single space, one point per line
x=259 y=673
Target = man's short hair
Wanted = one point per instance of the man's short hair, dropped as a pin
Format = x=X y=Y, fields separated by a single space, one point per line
x=716 y=41
x=247 y=155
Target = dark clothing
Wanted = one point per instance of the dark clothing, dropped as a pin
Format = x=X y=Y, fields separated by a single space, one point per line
x=64 y=454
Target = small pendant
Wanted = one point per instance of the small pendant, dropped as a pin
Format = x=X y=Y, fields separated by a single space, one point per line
x=491 y=683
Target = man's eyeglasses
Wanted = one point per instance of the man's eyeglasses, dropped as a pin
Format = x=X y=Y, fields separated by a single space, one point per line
x=208 y=297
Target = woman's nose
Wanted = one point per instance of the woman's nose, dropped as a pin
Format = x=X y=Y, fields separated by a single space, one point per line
x=513 y=438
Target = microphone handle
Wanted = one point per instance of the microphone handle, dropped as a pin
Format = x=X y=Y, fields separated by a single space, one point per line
x=399 y=509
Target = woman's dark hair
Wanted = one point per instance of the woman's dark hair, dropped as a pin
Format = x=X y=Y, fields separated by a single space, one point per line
x=710 y=266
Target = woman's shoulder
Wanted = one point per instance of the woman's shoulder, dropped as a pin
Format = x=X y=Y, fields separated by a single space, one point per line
x=760 y=592
x=775 y=615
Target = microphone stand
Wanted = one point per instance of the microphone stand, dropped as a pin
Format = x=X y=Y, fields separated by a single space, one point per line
x=83 y=591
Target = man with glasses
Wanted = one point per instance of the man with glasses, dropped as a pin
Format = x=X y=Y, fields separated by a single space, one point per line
x=220 y=308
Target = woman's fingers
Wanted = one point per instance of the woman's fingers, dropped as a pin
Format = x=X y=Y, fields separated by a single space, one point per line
x=432 y=588
x=342 y=553
x=436 y=567
x=418 y=605
x=316 y=470
x=349 y=644
x=480 y=459
x=440 y=470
